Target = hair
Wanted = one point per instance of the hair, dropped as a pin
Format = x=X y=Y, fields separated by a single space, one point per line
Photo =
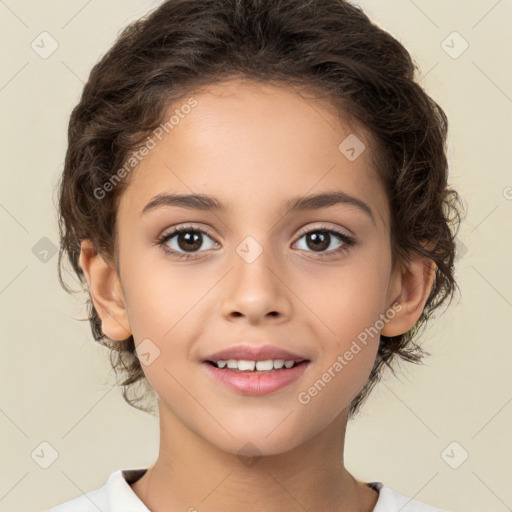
x=327 y=46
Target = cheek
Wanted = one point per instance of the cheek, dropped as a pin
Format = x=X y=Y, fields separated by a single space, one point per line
x=349 y=298
x=345 y=307
x=158 y=292
x=165 y=303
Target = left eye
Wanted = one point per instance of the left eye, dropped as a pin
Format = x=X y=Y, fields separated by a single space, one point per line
x=320 y=239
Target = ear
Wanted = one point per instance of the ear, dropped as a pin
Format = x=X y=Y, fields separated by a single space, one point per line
x=411 y=285
x=106 y=292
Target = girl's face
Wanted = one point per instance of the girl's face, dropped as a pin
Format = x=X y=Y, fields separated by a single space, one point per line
x=257 y=273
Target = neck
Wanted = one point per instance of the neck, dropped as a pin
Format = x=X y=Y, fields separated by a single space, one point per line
x=192 y=474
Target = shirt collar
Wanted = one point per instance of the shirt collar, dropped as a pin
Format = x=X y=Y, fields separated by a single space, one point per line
x=120 y=496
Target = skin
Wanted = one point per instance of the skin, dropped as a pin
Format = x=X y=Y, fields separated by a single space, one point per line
x=254 y=146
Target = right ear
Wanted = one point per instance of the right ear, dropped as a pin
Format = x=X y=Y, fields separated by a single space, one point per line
x=106 y=292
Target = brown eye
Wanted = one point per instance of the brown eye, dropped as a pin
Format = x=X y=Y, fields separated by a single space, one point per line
x=184 y=241
x=189 y=242
x=319 y=240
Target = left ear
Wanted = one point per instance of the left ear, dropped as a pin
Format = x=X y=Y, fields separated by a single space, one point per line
x=411 y=285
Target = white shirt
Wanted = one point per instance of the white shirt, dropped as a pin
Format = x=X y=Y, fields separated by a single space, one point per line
x=117 y=496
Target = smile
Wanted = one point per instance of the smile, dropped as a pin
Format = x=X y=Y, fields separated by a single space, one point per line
x=255 y=378
x=243 y=364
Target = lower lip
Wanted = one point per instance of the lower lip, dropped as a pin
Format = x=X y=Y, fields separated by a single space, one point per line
x=256 y=384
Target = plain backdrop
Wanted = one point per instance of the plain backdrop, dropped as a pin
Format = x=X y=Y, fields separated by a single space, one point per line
x=439 y=432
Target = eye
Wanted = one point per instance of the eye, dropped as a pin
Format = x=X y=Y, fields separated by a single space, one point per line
x=187 y=240
x=321 y=238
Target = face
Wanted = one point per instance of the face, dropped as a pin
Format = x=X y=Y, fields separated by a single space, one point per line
x=254 y=272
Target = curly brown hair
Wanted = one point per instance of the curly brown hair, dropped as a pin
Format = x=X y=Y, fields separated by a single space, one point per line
x=328 y=46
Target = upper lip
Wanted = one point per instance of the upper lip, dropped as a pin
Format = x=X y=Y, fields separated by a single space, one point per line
x=255 y=353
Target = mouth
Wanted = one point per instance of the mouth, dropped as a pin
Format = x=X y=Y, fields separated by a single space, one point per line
x=256 y=367
x=256 y=378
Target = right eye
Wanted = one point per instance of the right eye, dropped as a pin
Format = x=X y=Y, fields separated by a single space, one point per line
x=187 y=240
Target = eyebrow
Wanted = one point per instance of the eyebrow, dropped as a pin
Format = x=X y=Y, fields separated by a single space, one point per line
x=206 y=202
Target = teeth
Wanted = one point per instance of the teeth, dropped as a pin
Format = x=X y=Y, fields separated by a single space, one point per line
x=265 y=365
x=244 y=364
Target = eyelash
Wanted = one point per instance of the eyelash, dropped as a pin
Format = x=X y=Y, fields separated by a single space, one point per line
x=162 y=240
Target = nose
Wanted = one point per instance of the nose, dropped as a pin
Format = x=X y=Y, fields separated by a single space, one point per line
x=256 y=291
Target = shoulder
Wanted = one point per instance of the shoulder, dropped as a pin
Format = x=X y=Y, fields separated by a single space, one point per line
x=115 y=496
x=392 y=501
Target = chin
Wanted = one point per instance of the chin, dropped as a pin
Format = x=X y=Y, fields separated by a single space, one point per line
x=253 y=443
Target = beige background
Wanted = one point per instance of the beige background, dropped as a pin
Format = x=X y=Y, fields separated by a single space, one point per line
x=56 y=381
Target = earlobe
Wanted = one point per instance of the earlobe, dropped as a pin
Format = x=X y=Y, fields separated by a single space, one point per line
x=106 y=292
x=416 y=283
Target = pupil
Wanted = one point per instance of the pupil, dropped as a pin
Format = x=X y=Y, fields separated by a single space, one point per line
x=193 y=241
x=319 y=239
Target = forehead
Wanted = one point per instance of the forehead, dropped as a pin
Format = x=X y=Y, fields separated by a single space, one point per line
x=257 y=144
